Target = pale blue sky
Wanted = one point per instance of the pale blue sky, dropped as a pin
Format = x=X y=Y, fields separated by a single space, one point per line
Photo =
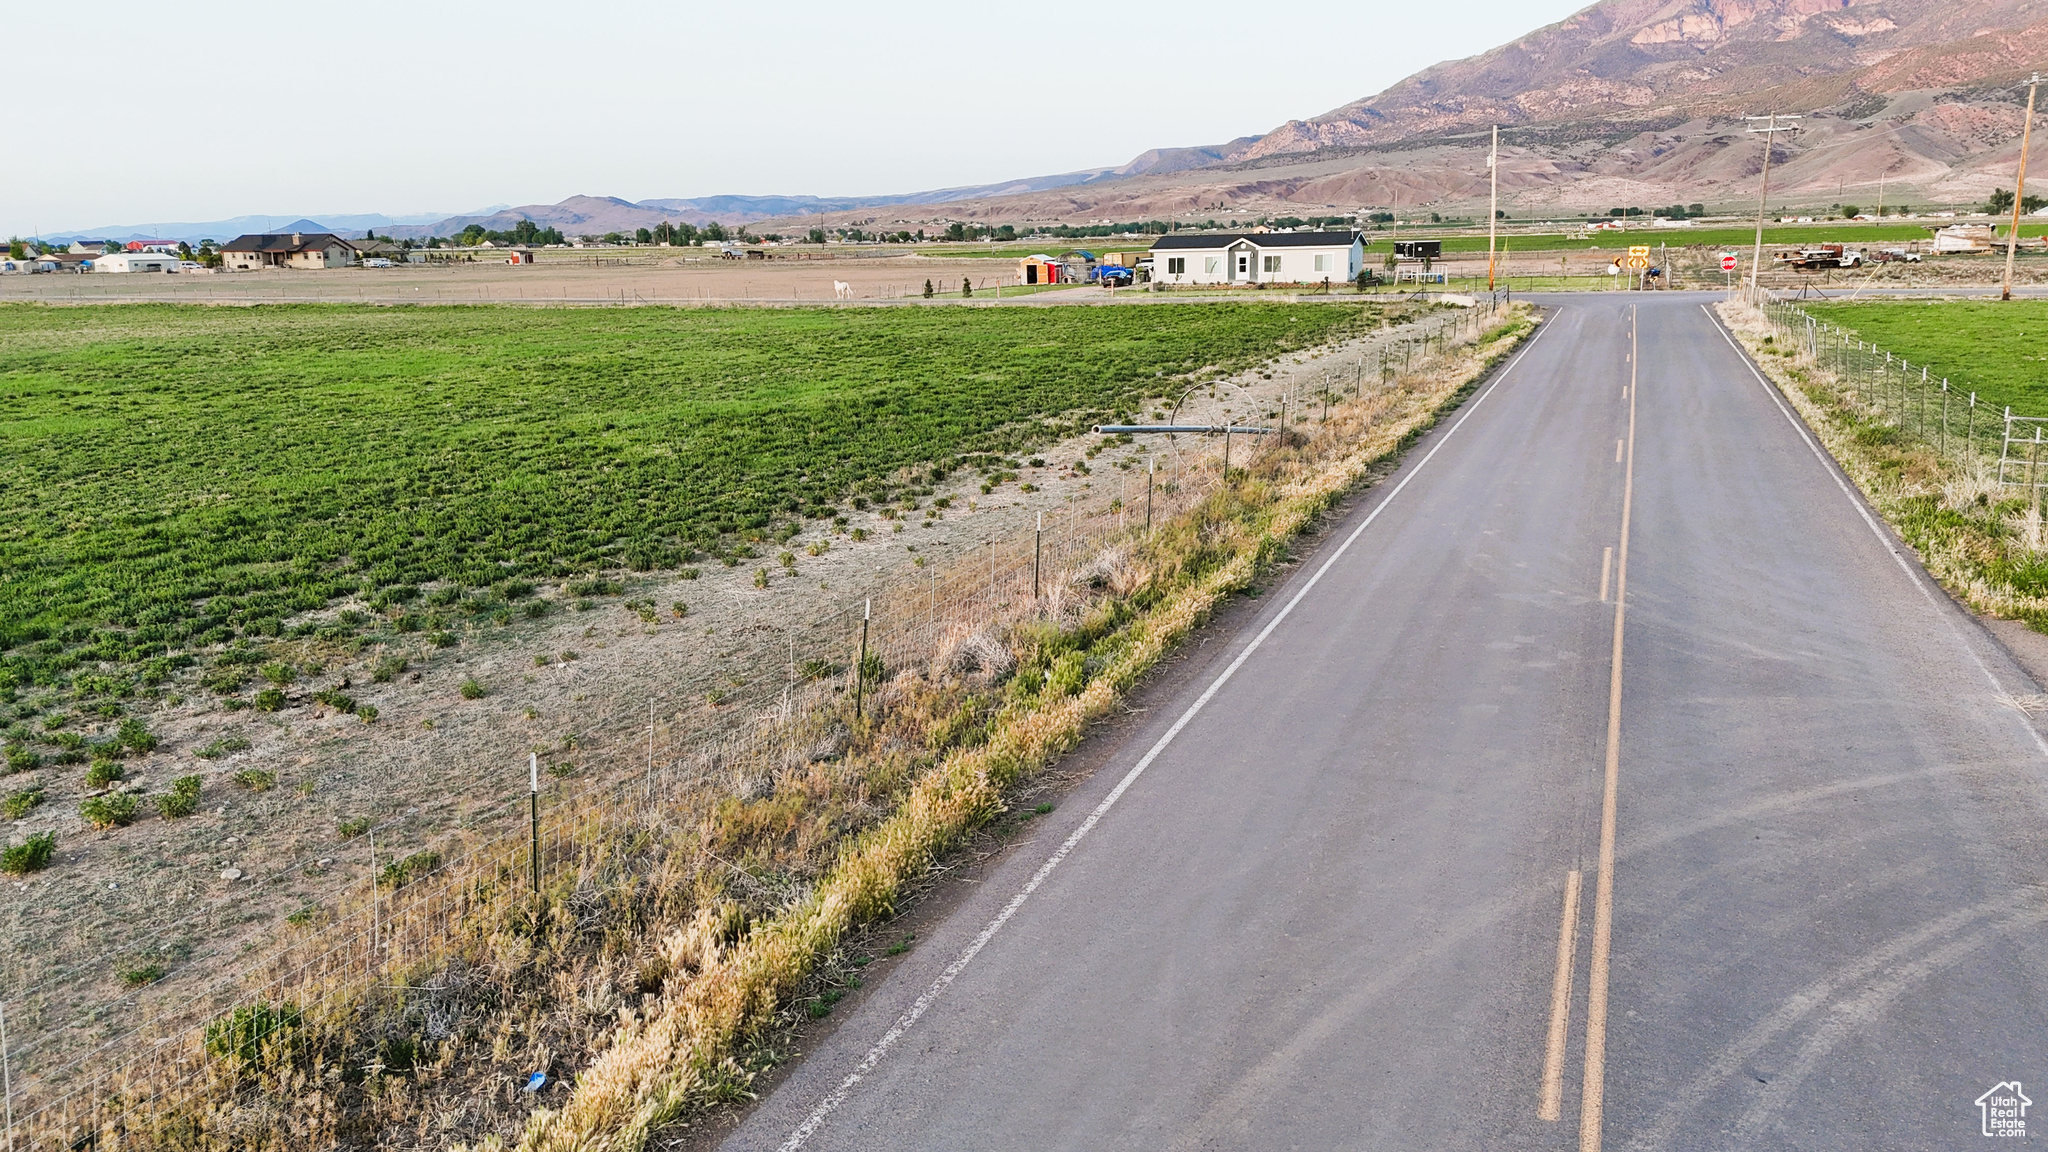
x=204 y=109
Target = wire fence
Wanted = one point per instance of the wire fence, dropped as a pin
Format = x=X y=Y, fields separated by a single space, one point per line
x=81 y=1070
x=1916 y=399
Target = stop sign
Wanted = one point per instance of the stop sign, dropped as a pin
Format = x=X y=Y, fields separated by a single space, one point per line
x=1727 y=261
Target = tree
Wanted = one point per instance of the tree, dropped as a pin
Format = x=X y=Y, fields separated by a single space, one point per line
x=1006 y=232
x=1851 y=211
x=2000 y=202
x=956 y=231
x=643 y=236
x=927 y=289
x=18 y=250
x=817 y=236
x=1695 y=209
x=966 y=286
x=714 y=232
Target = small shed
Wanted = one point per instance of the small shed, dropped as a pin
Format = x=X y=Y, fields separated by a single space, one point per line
x=1966 y=238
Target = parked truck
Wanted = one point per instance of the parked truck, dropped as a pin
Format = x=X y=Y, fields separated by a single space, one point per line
x=1821 y=257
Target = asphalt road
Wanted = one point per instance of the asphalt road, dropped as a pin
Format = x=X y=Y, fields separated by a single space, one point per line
x=1328 y=912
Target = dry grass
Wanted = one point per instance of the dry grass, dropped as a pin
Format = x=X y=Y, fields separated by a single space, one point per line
x=1983 y=544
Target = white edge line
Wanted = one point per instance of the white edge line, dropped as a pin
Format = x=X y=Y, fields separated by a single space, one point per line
x=910 y=1015
x=1898 y=556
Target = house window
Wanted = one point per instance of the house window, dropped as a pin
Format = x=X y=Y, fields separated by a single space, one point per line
x=1270 y=264
x=1212 y=265
x=1175 y=265
x=1322 y=263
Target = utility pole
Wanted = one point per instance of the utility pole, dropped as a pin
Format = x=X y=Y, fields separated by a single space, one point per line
x=2019 y=191
x=1770 y=135
x=1492 y=203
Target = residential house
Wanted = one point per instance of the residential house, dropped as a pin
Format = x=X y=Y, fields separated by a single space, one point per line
x=287 y=250
x=1258 y=257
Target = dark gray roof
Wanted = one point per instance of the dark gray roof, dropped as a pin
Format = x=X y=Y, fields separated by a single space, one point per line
x=1258 y=239
x=284 y=242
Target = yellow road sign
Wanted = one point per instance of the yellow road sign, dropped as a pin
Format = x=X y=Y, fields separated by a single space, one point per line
x=1638 y=263
x=1639 y=250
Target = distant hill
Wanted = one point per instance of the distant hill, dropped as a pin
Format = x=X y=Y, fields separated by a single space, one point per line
x=343 y=224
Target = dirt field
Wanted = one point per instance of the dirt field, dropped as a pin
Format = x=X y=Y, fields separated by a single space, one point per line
x=575 y=686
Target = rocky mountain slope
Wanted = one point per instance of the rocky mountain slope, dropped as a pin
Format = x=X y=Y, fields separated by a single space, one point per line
x=1639 y=103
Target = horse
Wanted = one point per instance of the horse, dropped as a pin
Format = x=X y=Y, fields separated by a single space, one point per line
x=842 y=290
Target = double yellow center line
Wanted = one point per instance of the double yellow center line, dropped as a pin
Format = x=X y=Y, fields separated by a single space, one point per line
x=1551 y=1091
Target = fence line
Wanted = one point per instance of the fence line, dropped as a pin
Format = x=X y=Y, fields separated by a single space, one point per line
x=1914 y=399
x=87 y=1072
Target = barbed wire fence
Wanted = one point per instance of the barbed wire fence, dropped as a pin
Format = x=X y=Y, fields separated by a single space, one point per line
x=1918 y=400
x=80 y=1071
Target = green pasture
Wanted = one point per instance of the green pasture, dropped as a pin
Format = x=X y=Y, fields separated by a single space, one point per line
x=177 y=477
x=1997 y=349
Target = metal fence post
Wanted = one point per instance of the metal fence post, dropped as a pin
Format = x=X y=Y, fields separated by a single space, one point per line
x=860 y=670
x=1037 y=551
x=1149 y=464
x=533 y=801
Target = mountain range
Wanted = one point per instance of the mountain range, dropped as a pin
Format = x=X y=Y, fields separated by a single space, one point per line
x=1627 y=103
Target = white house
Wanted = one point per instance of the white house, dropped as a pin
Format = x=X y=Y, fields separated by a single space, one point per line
x=1258 y=257
x=136 y=262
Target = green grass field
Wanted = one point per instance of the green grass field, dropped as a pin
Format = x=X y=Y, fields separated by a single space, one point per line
x=173 y=478
x=1998 y=350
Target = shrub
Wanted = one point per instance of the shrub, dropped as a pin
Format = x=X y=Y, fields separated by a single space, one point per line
x=471 y=690
x=816 y=669
x=350 y=829
x=279 y=674
x=535 y=609
x=270 y=700
x=181 y=800
x=103 y=773
x=367 y=713
x=680 y=609
x=143 y=976
x=137 y=737
x=397 y=873
x=223 y=747
x=31 y=855
x=688 y=573
x=760 y=577
x=388 y=667
x=444 y=639
x=250 y=1033
x=335 y=700
x=117 y=811
x=256 y=779
x=19 y=804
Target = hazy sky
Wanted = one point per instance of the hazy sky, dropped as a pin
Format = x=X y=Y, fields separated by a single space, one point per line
x=205 y=109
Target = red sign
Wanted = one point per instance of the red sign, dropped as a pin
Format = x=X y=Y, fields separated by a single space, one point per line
x=1727 y=261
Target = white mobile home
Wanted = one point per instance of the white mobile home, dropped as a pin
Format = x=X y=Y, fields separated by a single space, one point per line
x=1258 y=257
x=136 y=262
